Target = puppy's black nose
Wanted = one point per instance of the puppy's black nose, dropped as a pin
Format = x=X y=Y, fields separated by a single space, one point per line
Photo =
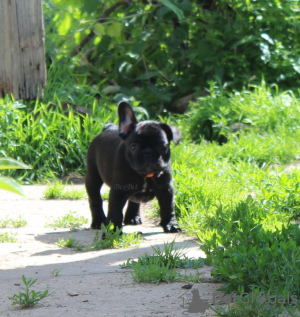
x=148 y=156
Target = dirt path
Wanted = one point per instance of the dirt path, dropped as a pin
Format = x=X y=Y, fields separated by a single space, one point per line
x=89 y=283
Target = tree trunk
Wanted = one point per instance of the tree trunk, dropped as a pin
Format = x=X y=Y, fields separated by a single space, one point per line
x=22 y=49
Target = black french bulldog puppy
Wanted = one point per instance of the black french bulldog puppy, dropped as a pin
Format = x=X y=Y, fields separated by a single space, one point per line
x=134 y=161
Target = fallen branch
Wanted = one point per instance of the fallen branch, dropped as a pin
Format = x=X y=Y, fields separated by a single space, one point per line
x=79 y=47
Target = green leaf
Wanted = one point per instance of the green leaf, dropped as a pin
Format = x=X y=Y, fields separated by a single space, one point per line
x=173 y=8
x=99 y=29
x=244 y=40
x=147 y=75
x=9 y=163
x=65 y=24
x=88 y=6
x=257 y=228
x=296 y=65
x=115 y=30
x=9 y=184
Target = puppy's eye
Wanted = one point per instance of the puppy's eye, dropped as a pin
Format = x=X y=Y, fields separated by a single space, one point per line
x=133 y=147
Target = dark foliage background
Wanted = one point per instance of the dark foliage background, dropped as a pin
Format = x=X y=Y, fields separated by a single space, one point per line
x=160 y=51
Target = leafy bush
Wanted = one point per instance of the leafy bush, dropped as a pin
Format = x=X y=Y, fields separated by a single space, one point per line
x=159 y=51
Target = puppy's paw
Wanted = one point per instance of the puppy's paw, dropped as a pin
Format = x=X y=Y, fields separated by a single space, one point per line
x=172 y=228
x=133 y=221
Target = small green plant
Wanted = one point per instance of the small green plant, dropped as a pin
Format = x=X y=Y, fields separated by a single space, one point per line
x=114 y=239
x=28 y=297
x=71 y=243
x=162 y=265
x=55 y=272
x=192 y=277
x=54 y=191
x=5 y=222
x=154 y=271
x=111 y=237
x=71 y=220
x=18 y=223
x=15 y=223
x=8 y=238
x=129 y=240
x=59 y=191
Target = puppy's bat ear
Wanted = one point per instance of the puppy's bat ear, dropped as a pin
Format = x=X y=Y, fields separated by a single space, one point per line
x=173 y=134
x=127 y=119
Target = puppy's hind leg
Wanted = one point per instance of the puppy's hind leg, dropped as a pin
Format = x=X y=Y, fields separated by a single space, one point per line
x=132 y=215
x=93 y=184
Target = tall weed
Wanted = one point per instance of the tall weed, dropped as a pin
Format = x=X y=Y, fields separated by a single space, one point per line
x=51 y=140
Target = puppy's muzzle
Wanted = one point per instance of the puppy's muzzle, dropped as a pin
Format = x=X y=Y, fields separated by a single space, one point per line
x=148 y=157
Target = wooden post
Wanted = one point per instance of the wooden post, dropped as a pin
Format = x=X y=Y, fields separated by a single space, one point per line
x=22 y=49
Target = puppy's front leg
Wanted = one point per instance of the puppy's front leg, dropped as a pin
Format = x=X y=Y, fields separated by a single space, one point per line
x=132 y=215
x=116 y=203
x=167 y=213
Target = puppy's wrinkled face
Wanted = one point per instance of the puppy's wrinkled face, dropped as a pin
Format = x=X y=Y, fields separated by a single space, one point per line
x=147 y=142
x=147 y=149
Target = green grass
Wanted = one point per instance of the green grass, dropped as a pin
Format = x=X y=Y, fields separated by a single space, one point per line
x=113 y=239
x=249 y=239
x=262 y=110
x=58 y=191
x=70 y=220
x=163 y=265
x=70 y=243
x=52 y=141
x=243 y=253
x=55 y=272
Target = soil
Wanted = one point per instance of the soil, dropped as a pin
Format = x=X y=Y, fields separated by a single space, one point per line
x=89 y=283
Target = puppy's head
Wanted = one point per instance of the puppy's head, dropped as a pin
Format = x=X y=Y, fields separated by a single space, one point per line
x=147 y=142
